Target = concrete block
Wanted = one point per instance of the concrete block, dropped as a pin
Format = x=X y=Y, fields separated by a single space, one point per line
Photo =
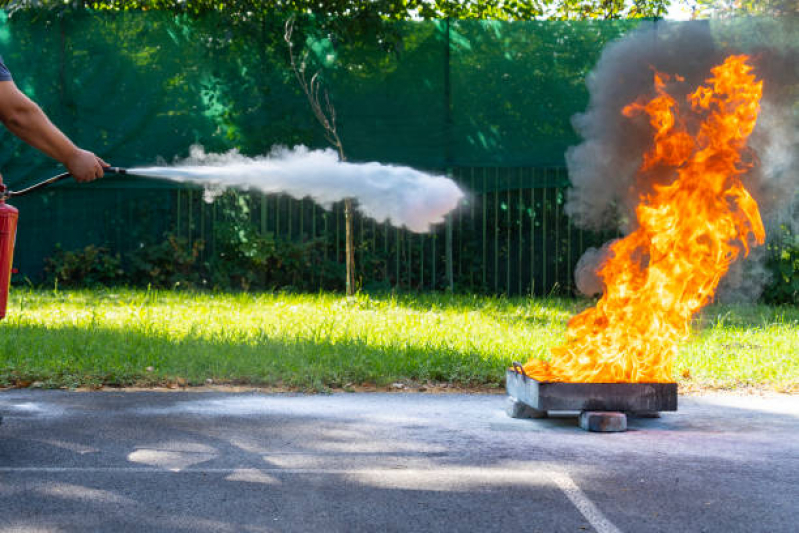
x=517 y=409
x=603 y=421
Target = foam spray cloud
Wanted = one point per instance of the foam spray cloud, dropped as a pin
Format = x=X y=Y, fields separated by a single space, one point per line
x=603 y=168
x=400 y=195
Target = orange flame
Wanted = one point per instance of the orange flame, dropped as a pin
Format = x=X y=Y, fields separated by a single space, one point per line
x=688 y=233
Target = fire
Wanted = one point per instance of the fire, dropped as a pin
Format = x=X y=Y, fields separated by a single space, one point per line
x=689 y=231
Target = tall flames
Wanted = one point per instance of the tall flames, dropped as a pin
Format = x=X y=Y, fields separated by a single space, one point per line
x=689 y=231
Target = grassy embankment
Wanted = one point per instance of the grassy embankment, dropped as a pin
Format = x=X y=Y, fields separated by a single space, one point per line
x=317 y=342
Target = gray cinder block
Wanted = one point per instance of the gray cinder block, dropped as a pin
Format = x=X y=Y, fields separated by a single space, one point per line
x=603 y=421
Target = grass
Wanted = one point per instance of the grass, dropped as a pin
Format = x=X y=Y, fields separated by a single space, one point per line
x=130 y=337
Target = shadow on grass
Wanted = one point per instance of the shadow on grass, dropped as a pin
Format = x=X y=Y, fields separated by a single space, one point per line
x=76 y=356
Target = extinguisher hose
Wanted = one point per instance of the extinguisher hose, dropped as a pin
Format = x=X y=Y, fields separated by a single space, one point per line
x=4 y=194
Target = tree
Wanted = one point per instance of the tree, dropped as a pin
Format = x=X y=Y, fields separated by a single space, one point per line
x=733 y=8
x=325 y=113
x=393 y=9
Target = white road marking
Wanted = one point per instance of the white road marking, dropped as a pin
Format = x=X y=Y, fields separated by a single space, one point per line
x=153 y=470
x=582 y=503
x=482 y=475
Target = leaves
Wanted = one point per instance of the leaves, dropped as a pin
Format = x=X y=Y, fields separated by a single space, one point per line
x=358 y=11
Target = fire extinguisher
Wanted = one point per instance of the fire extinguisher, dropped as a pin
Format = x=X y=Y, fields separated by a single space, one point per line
x=8 y=233
x=9 y=215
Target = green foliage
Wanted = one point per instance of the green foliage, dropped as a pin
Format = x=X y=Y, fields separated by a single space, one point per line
x=169 y=264
x=738 y=8
x=246 y=258
x=374 y=10
x=241 y=258
x=88 y=267
x=249 y=260
x=784 y=265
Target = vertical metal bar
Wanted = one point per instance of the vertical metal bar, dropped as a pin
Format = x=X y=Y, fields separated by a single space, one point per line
x=399 y=280
x=202 y=223
x=433 y=247
x=313 y=220
x=460 y=236
x=179 y=214
x=213 y=233
x=496 y=229
x=263 y=214
x=421 y=261
x=190 y=215
x=485 y=226
x=338 y=235
x=325 y=220
x=118 y=226
x=289 y=221
x=471 y=224
x=359 y=242
x=277 y=216
x=450 y=277
x=302 y=220
x=557 y=235
x=409 y=261
x=448 y=243
x=532 y=234
x=509 y=230
x=520 y=222
x=386 y=257
x=544 y=241
x=569 y=251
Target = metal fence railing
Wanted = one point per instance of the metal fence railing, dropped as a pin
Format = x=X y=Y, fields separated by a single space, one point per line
x=510 y=235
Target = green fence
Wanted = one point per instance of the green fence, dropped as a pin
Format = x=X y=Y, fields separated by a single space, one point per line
x=489 y=103
x=509 y=236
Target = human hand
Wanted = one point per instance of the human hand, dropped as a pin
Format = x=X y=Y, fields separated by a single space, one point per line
x=85 y=166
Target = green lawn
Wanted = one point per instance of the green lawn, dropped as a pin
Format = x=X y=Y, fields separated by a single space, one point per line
x=126 y=337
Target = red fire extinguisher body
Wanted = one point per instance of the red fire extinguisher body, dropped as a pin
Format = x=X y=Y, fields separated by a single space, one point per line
x=8 y=233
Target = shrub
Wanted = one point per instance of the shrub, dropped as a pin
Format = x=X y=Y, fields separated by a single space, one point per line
x=169 y=264
x=87 y=267
x=784 y=265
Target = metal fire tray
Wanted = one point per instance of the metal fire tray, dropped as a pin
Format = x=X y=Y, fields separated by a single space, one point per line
x=623 y=397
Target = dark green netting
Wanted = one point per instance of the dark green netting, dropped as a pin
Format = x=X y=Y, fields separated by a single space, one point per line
x=489 y=101
x=136 y=87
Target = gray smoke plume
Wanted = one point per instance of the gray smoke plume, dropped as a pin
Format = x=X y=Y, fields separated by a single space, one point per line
x=603 y=167
x=401 y=195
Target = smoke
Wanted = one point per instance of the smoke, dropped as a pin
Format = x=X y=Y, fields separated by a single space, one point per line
x=401 y=195
x=585 y=272
x=606 y=186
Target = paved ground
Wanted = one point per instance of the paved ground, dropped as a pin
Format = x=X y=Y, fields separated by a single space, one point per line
x=388 y=462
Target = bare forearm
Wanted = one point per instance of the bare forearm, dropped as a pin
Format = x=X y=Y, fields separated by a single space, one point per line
x=29 y=123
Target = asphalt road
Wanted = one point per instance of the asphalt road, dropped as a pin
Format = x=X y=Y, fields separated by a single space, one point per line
x=149 y=461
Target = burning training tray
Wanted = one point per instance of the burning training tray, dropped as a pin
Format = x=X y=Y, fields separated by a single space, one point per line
x=621 y=397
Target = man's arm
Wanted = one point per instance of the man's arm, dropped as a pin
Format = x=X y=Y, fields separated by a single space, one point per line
x=27 y=121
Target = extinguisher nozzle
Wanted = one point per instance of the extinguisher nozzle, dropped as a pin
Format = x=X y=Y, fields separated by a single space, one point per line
x=115 y=170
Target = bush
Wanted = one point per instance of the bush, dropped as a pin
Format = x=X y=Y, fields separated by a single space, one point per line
x=169 y=264
x=784 y=265
x=90 y=266
x=246 y=259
